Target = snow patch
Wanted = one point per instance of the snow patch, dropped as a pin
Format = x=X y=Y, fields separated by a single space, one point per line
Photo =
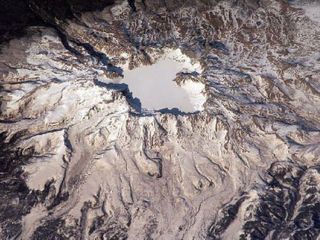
x=311 y=10
x=48 y=165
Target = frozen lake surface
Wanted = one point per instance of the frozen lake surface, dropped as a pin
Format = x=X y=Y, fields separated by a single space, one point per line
x=156 y=89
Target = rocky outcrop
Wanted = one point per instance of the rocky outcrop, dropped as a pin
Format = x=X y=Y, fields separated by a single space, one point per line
x=80 y=160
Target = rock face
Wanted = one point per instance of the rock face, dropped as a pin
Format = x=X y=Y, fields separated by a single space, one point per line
x=80 y=159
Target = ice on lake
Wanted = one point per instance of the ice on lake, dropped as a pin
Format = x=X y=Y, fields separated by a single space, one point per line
x=156 y=89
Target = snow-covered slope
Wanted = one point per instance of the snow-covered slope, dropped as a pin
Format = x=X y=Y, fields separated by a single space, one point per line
x=237 y=159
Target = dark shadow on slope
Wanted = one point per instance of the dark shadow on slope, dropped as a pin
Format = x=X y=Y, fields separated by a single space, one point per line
x=17 y=15
x=135 y=103
x=176 y=111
